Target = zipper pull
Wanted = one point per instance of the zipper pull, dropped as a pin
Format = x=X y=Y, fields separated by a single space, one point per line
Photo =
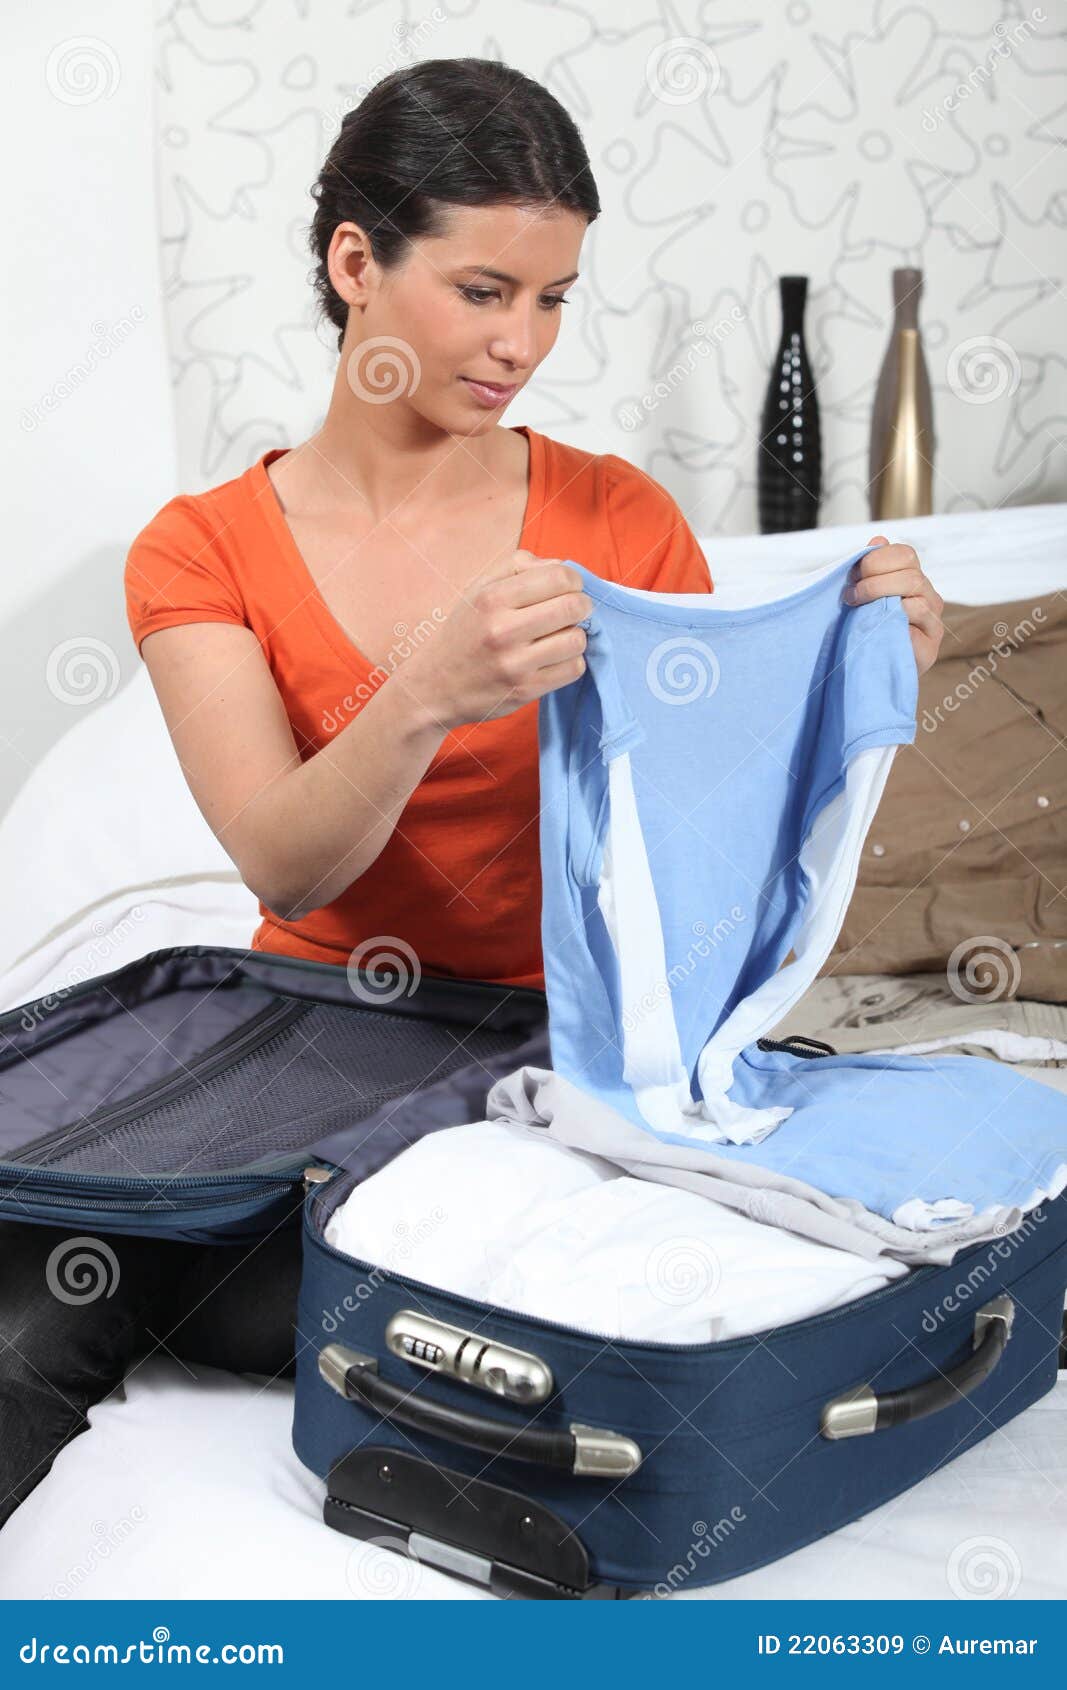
x=795 y=1043
x=314 y=1176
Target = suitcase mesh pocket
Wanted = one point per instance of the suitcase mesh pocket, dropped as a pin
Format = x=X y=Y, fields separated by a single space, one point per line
x=323 y=1068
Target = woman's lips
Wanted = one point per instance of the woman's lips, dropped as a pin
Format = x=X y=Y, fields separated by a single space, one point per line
x=489 y=394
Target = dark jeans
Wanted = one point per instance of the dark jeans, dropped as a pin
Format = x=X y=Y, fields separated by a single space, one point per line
x=75 y=1317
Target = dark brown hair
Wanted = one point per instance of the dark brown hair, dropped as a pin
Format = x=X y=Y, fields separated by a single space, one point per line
x=443 y=132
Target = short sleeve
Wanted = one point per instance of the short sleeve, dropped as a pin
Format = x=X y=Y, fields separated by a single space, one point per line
x=174 y=574
x=656 y=550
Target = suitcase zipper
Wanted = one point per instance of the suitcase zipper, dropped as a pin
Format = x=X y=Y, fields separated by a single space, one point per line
x=193 y=1191
x=272 y=1019
x=295 y=965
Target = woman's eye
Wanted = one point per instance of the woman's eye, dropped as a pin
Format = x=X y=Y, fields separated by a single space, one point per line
x=478 y=296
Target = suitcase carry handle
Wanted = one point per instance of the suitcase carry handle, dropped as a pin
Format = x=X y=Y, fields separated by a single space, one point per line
x=861 y=1410
x=584 y=1451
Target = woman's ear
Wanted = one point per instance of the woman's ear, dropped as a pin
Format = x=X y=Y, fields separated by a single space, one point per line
x=351 y=263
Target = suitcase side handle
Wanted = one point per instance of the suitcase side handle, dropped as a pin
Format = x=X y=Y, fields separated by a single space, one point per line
x=861 y=1410
x=584 y=1451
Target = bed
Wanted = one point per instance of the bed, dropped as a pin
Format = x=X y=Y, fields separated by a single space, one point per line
x=185 y=1484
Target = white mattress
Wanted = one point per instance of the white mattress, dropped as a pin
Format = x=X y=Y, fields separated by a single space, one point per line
x=190 y=1488
x=187 y=1485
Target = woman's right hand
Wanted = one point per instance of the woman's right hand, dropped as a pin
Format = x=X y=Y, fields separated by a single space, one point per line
x=510 y=638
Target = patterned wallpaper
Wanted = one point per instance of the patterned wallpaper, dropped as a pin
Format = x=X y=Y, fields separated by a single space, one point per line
x=731 y=142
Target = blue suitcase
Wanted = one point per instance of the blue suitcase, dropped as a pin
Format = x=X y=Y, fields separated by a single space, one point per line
x=542 y=1460
x=207 y=1093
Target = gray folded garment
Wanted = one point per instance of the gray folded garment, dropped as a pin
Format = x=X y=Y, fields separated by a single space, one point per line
x=861 y=1012
x=542 y=1100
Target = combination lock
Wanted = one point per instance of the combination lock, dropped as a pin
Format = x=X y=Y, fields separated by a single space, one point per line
x=470 y=1357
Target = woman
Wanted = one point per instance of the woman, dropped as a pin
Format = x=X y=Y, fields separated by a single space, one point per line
x=349 y=641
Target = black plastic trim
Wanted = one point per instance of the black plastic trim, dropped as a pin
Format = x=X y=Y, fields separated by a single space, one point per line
x=377 y=1493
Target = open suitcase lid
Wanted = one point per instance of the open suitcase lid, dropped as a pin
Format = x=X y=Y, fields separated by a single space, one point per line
x=185 y=1092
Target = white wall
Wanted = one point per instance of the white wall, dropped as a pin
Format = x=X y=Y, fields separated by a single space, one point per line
x=88 y=440
x=730 y=143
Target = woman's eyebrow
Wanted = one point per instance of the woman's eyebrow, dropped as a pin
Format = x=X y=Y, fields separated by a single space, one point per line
x=499 y=276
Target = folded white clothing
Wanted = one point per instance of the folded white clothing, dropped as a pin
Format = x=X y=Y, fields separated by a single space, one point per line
x=632 y=1259
x=1005 y=1044
x=454 y=1199
x=503 y=1214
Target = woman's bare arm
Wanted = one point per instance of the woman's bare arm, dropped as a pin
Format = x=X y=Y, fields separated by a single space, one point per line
x=299 y=833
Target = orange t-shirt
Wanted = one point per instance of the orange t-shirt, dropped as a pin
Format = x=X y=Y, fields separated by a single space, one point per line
x=458 y=882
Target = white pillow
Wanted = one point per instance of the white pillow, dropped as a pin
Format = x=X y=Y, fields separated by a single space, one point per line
x=106 y=824
x=972 y=557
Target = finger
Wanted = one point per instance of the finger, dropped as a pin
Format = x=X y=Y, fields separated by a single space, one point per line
x=541 y=598
x=904 y=582
x=898 y=555
x=921 y=614
x=514 y=563
x=528 y=577
x=543 y=578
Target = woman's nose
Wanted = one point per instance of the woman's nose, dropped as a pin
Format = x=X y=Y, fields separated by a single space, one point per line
x=515 y=339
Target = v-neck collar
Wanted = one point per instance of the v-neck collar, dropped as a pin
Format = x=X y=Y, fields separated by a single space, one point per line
x=265 y=497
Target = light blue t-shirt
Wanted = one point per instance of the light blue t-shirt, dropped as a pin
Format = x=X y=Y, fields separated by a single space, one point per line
x=739 y=725
x=706 y=787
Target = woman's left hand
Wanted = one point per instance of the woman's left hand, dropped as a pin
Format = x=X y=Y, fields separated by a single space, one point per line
x=895 y=568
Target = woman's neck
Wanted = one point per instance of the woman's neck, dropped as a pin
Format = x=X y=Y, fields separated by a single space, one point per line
x=386 y=466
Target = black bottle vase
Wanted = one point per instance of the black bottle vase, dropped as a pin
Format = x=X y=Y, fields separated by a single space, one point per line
x=789 y=468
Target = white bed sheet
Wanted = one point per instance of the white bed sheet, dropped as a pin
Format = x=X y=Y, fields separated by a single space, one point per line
x=190 y=1488
x=187 y=1486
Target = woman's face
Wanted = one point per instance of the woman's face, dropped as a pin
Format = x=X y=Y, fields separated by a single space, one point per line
x=480 y=304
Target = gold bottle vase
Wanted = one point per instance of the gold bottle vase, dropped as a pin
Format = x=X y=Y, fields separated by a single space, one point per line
x=900 y=469
x=903 y=481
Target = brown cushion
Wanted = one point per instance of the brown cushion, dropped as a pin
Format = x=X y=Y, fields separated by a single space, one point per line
x=965 y=865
